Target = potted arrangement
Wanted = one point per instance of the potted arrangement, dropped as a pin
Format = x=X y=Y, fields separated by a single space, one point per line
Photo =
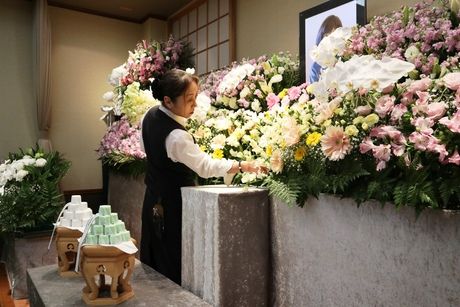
x=30 y=200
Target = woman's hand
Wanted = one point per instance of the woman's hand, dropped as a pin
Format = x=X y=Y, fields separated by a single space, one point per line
x=253 y=167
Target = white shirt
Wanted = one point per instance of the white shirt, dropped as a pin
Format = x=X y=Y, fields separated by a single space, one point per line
x=181 y=148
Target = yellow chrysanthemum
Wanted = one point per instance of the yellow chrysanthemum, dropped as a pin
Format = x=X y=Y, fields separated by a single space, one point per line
x=283 y=93
x=218 y=154
x=313 y=138
x=269 y=150
x=299 y=154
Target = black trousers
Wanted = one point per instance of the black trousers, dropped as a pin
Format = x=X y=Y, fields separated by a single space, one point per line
x=162 y=238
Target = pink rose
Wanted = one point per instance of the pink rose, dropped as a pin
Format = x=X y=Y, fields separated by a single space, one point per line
x=363 y=110
x=384 y=105
x=419 y=85
x=436 y=110
x=452 y=80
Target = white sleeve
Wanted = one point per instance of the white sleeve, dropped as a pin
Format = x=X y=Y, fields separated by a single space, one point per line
x=181 y=148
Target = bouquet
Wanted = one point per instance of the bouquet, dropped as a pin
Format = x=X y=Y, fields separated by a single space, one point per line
x=29 y=189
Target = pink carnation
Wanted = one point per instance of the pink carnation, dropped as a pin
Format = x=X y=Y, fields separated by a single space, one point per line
x=398 y=112
x=272 y=100
x=294 y=92
x=455 y=158
x=436 y=110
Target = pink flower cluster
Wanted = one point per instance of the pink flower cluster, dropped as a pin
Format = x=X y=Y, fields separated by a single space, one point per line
x=420 y=121
x=423 y=35
x=121 y=139
x=152 y=60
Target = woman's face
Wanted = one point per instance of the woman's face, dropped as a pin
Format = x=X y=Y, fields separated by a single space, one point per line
x=185 y=104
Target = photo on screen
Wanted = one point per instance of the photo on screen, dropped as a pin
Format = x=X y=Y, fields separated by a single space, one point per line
x=318 y=22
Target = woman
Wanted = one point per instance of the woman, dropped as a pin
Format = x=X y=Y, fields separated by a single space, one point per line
x=172 y=161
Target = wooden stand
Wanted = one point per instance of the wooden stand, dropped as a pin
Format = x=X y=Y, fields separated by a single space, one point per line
x=67 y=245
x=97 y=262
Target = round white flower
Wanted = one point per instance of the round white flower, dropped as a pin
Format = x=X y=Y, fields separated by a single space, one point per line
x=255 y=105
x=218 y=141
x=108 y=96
x=411 y=53
x=20 y=175
x=40 y=162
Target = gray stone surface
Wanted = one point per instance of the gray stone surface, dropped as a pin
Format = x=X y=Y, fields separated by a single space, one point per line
x=47 y=289
x=332 y=253
x=126 y=196
x=225 y=244
x=19 y=254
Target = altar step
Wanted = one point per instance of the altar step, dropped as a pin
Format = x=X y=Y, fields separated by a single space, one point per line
x=48 y=289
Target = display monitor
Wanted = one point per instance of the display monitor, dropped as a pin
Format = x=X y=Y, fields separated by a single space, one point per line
x=319 y=21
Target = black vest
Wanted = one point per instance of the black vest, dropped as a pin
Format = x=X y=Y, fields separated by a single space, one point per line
x=162 y=173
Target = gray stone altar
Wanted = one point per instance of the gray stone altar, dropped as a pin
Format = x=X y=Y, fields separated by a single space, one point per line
x=48 y=289
x=225 y=244
x=332 y=253
x=126 y=196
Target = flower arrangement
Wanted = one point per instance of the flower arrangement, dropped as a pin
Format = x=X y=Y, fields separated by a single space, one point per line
x=29 y=190
x=254 y=84
x=426 y=35
x=120 y=148
x=132 y=97
x=381 y=131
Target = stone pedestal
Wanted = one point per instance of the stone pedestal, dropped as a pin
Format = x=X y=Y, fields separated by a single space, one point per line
x=126 y=196
x=22 y=253
x=48 y=289
x=225 y=244
x=332 y=253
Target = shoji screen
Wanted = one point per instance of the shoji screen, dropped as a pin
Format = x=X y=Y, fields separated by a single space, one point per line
x=209 y=26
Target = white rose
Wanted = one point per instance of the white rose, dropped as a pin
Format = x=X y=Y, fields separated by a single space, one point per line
x=411 y=53
x=28 y=161
x=40 y=162
x=20 y=175
x=255 y=105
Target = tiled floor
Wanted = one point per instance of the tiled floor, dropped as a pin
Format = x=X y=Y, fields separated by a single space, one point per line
x=5 y=297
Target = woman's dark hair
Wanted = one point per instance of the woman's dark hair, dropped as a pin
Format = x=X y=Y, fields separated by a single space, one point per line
x=172 y=84
x=329 y=24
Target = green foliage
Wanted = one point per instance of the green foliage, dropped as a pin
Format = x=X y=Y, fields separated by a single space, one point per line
x=126 y=165
x=35 y=200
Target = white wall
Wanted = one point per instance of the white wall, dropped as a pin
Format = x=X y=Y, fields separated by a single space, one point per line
x=18 y=115
x=85 y=49
x=269 y=26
